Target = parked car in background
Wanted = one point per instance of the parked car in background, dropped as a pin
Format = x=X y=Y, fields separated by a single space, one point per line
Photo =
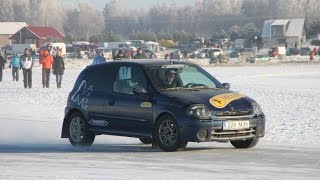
x=222 y=58
x=235 y=54
x=244 y=51
x=315 y=42
x=203 y=53
x=121 y=45
x=149 y=52
x=209 y=52
x=177 y=54
x=273 y=52
x=258 y=58
x=305 y=51
x=292 y=52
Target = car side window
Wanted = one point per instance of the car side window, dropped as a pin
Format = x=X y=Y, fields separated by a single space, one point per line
x=129 y=77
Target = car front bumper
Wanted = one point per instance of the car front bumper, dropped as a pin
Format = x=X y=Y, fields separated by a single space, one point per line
x=213 y=130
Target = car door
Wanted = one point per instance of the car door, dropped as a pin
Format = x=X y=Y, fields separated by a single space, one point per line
x=132 y=113
x=97 y=90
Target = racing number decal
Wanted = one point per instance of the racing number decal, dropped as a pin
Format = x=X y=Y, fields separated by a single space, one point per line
x=124 y=73
x=222 y=100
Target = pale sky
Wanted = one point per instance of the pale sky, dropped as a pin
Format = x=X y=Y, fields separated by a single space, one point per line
x=132 y=4
x=150 y=3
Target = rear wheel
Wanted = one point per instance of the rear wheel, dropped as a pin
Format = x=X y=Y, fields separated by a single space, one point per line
x=78 y=133
x=168 y=135
x=248 y=143
x=146 y=140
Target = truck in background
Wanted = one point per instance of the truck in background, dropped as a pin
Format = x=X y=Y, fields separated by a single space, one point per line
x=19 y=48
x=121 y=45
x=239 y=43
x=56 y=46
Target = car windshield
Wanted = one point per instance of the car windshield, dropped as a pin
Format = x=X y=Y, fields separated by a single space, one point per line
x=181 y=77
x=215 y=50
x=204 y=50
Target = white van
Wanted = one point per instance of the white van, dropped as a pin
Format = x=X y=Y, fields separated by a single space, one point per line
x=57 y=46
x=19 y=48
x=121 y=45
x=204 y=53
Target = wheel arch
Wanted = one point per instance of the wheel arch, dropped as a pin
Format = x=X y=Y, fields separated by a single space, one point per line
x=64 y=133
x=161 y=115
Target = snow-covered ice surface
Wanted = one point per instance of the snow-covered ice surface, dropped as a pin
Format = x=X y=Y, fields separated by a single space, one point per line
x=31 y=119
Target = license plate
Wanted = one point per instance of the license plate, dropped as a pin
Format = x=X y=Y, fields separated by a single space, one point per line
x=236 y=125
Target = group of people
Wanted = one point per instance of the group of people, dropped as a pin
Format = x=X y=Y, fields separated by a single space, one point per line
x=138 y=55
x=48 y=60
x=99 y=57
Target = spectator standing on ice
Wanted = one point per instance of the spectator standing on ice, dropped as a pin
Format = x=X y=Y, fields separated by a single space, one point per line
x=15 y=66
x=129 y=53
x=120 y=55
x=140 y=55
x=99 y=58
x=46 y=62
x=152 y=56
x=315 y=50
x=27 y=62
x=58 y=68
x=2 y=63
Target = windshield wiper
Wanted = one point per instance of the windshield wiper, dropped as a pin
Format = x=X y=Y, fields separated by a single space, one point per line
x=172 y=89
x=202 y=87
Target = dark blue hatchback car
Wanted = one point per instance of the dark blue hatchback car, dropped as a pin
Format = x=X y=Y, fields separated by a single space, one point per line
x=166 y=103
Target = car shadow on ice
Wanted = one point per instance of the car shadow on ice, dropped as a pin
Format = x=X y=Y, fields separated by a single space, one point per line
x=67 y=148
x=95 y=148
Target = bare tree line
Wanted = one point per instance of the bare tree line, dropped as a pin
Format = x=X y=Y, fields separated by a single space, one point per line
x=233 y=18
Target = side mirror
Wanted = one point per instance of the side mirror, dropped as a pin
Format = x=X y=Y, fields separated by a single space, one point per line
x=139 y=90
x=226 y=85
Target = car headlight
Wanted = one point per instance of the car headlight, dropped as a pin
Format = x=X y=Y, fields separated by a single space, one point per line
x=256 y=108
x=199 y=111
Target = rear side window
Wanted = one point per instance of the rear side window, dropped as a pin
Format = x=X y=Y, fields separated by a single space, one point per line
x=101 y=79
x=79 y=79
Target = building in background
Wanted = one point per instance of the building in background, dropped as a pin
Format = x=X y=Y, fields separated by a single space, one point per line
x=284 y=32
x=36 y=35
x=7 y=29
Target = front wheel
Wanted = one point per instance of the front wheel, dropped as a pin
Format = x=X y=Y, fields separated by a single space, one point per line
x=168 y=135
x=248 y=143
x=78 y=133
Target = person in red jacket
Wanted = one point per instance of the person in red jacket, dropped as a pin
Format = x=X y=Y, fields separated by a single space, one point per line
x=46 y=61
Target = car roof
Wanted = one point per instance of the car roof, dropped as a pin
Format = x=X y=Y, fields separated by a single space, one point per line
x=142 y=62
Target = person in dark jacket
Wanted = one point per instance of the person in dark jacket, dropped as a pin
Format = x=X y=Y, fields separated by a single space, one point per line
x=58 y=68
x=2 y=63
x=139 y=55
x=15 y=66
x=120 y=55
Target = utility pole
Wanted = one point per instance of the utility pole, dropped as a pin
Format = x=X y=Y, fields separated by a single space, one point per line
x=270 y=29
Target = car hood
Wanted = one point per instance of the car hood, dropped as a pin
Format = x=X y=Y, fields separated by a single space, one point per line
x=217 y=100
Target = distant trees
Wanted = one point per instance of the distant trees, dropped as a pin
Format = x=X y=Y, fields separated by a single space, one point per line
x=206 y=18
x=6 y=10
x=113 y=17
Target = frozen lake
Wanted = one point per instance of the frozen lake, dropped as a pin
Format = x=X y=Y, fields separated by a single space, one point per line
x=31 y=119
